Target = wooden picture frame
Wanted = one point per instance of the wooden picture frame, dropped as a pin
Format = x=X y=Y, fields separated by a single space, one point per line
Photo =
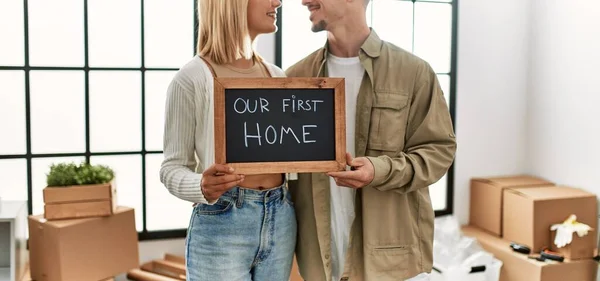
x=221 y=85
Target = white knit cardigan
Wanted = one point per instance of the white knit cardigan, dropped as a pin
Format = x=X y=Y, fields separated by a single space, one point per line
x=189 y=129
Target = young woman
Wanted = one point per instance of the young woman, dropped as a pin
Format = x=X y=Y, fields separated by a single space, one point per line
x=243 y=227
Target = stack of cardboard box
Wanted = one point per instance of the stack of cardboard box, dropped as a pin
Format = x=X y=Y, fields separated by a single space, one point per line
x=521 y=209
x=83 y=235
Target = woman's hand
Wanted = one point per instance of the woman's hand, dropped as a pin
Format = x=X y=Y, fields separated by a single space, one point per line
x=217 y=179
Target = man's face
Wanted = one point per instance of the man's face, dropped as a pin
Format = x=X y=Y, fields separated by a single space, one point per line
x=325 y=13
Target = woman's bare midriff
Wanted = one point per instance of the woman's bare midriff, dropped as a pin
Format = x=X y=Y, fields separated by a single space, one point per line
x=262 y=182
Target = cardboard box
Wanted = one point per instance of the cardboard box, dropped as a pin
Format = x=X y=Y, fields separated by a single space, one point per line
x=83 y=249
x=27 y=277
x=530 y=212
x=580 y=248
x=518 y=267
x=80 y=201
x=487 y=195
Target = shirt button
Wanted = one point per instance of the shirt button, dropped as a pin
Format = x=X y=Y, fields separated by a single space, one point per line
x=326 y=256
x=327 y=264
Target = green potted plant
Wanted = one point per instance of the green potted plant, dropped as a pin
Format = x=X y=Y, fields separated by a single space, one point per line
x=77 y=191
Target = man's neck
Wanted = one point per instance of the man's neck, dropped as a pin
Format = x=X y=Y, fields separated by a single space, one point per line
x=345 y=40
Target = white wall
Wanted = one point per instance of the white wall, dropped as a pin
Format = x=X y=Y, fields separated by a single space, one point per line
x=564 y=124
x=491 y=93
x=565 y=92
x=266 y=47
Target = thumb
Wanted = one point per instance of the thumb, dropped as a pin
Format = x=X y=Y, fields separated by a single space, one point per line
x=355 y=162
x=352 y=162
x=349 y=159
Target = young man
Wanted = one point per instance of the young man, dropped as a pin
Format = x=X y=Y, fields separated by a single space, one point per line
x=375 y=221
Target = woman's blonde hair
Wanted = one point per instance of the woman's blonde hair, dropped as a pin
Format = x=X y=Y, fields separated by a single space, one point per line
x=223 y=35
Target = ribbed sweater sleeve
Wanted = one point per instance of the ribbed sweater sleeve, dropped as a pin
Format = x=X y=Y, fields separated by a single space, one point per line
x=177 y=171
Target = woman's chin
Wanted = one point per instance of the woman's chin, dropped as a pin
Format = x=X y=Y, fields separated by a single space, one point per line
x=268 y=30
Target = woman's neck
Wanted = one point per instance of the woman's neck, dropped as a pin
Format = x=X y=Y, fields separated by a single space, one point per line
x=243 y=63
x=246 y=63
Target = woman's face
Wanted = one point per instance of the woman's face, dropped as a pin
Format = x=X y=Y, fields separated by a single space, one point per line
x=262 y=16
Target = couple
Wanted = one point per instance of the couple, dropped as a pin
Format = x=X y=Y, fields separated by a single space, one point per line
x=373 y=222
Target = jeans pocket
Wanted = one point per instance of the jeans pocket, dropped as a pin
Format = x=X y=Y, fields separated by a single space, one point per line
x=220 y=207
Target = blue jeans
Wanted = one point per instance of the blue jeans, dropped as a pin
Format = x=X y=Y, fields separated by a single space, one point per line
x=247 y=235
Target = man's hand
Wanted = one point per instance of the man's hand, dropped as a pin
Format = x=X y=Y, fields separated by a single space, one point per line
x=217 y=179
x=361 y=174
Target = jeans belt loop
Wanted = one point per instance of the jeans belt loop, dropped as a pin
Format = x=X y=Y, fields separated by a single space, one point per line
x=285 y=190
x=240 y=198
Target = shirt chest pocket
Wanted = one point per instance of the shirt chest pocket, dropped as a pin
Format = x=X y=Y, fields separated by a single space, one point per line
x=389 y=117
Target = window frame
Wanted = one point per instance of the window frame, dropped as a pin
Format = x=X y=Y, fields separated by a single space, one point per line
x=29 y=156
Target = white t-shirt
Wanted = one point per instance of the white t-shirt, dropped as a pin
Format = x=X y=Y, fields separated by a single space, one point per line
x=342 y=198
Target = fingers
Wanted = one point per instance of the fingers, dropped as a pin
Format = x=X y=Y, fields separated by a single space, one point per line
x=217 y=168
x=224 y=179
x=221 y=183
x=220 y=188
x=224 y=186
x=214 y=186
x=360 y=175
x=217 y=179
x=348 y=183
x=356 y=175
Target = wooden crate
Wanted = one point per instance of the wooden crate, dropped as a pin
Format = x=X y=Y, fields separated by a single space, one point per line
x=80 y=201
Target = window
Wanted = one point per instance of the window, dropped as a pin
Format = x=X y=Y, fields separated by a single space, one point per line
x=82 y=80
x=425 y=28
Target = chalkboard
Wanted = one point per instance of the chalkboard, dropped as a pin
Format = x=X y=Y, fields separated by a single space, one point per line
x=280 y=125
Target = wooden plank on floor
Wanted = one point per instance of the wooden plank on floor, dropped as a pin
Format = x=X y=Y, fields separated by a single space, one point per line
x=169 y=266
x=141 y=275
x=165 y=268
x=175 y=258
x=26 y=274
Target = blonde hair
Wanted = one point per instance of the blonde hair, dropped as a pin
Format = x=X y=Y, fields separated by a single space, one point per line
x=223 y=35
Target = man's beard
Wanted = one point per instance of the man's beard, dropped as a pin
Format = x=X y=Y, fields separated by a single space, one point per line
x=319 y=26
